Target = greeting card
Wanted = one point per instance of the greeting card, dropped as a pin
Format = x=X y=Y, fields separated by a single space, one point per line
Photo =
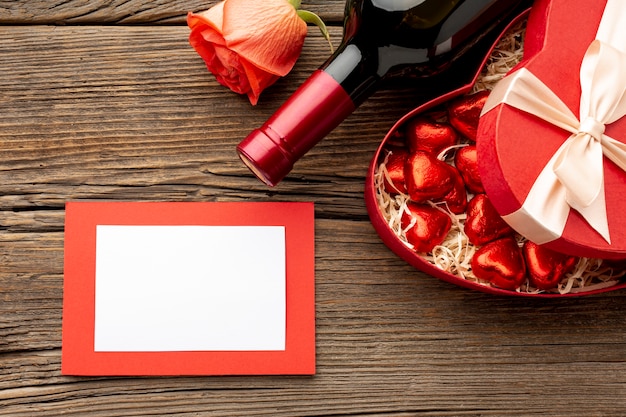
x=188 y=288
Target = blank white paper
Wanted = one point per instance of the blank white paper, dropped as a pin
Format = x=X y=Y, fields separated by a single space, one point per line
x=190 y=288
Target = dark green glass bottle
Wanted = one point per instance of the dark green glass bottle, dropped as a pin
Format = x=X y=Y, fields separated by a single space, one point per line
x=436 y=45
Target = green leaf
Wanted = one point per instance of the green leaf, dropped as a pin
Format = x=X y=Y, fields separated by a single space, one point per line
x=314 y=19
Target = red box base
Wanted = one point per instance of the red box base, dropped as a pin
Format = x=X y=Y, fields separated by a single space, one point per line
x=533 y=44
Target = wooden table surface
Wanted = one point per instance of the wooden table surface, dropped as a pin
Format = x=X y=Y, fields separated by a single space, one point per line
x=106 y=100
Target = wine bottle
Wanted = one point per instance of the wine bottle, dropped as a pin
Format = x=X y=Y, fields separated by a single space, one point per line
x=436 y=45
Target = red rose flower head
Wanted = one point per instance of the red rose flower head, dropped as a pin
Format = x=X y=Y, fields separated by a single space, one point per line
x=249 y=44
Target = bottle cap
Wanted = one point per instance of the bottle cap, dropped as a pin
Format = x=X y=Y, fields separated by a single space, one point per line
x=265 y=157
x=310 y=113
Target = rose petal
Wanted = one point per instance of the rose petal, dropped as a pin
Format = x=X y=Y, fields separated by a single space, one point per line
x=258 y=80
x=206 y=36
x=212 y=17
x=268 y=33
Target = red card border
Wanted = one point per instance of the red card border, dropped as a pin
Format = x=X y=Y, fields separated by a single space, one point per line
x=78 y=355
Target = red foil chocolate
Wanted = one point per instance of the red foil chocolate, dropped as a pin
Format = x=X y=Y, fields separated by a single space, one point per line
x=394 y=181
x=427 y=177
x=466 y=161
x=427 y=226
x=546 y=268
x=501 y=263
x=428 y=135
x=465 y=112
x=483 y=223
x=456 y=198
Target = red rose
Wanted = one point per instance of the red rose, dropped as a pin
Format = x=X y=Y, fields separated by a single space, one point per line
x=249 y=44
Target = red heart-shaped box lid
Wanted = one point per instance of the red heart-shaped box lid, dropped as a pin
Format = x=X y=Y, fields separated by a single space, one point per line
x=514 y=146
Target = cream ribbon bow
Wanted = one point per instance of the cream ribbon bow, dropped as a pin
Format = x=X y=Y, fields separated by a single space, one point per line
x=574 y=176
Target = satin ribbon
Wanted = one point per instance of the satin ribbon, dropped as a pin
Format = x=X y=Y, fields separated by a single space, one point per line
x=574 y=176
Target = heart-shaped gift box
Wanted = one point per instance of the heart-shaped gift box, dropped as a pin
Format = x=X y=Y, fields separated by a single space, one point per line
x=480 y=251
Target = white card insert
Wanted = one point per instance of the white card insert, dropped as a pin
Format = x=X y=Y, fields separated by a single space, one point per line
x=190 y=288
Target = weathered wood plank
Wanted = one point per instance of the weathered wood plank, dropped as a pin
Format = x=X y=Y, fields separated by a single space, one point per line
x=380 y=396
x=128 y=12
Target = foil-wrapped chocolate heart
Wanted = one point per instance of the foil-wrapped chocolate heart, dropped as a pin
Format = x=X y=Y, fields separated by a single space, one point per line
x=428 y=135
x=483 y=223
x=428 y=226
x=456 y=199
x=394 y=180
x=464 y=113
x=466 y=161
x=427 y=177
x=501 y=263
x=546 y=268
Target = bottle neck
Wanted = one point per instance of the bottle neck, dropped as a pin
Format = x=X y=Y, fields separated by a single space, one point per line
x=353 y=68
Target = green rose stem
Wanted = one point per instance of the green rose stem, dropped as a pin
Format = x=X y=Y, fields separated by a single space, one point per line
x=312 y=18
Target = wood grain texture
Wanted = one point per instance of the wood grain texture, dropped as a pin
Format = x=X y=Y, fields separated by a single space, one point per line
x=128 y=12
x=116 y=112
